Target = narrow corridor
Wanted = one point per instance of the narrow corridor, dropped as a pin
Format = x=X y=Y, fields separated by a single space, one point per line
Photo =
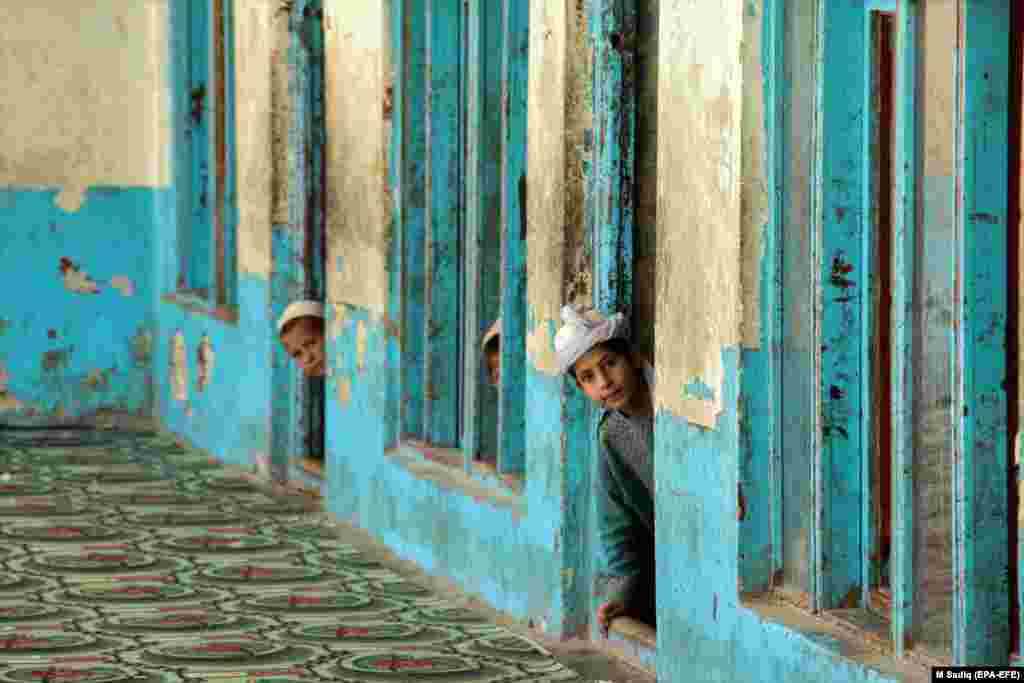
x=130 y=558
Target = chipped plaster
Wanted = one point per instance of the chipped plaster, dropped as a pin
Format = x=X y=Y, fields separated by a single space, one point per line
x=123 y=284
x=80 y=114
x=179 y=367
x=361 y=344
x=358 y=210
x=344 y=391
x=699 y=117
x=204 y=363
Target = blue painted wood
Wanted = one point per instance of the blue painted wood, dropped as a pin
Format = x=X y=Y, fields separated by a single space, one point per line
x=473 y=320
x=197 y=239
x=482 y=234
x=760 y=536
x=614 y=106
x=413 y=193
x=981 y=562
x=227 y=295
x=515 y=51
x=443 y=258
x=396 y=256
x=174 y=265
x=845 y=275
x=800 y=284
x=901 y=574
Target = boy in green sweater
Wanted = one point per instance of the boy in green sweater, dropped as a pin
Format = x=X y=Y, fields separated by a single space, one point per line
x=596 y=352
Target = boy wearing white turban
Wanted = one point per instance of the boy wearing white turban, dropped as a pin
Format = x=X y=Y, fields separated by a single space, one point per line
x=301 y=331
x=596 y=352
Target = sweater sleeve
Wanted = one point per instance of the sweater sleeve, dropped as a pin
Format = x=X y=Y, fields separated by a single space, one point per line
x=616 y=532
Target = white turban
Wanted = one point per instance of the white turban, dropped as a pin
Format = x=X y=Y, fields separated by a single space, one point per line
x=582 y=330
x=300 y=309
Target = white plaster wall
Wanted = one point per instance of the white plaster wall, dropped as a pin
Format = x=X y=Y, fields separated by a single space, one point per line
x=558 y=114
x=358 y=209
x=83 y=101
x=754 y=196
x=259 y=45
x=700 y=109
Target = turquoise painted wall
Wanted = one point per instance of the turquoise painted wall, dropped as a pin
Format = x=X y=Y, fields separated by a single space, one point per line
x=510 y=556
x=230 y=416
x=76 y=320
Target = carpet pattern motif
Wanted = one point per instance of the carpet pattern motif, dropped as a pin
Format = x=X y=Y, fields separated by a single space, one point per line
x=125 y=558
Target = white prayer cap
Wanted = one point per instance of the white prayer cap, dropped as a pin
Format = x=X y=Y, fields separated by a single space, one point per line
x=493 y=331
x=582 y=330
x=300 y=309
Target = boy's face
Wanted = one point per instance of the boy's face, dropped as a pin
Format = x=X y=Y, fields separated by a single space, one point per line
x=494 y=366
x=608 y=378
x=304 y=341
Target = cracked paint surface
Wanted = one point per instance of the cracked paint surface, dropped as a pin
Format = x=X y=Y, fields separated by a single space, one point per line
x=76 y=279
x=179 y=367
x=204 y=362
x=123 y=284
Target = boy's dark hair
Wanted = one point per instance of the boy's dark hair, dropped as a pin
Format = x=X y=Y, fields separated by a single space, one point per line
x=618 y=346
x=493 y=345
x=318 y=324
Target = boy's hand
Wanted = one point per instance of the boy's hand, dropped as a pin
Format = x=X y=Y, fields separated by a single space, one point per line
x=607 y=612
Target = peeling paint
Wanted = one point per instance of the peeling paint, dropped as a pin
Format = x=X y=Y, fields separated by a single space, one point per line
x=123 y=284
x=56 y=359
x=76 y=279
x=142 y=348
x=345 y=391
x=540 y=349
x=97 y=380
x=179 y=367
x=361 y=345
x=7 y=401
x=5 y=325
x=72 y=197
x=204 y=363
x=339 y=320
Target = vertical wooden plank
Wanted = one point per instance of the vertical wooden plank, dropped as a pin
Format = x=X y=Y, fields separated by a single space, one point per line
x=981 y=599
x=473 y=318
x=1014 y=336
x=846 y=272
x=512 y=402
x=309 y=201
x=218 y=102
x=760 y=468
x=799 y=282
x=614 y=39
x=442 y=343
x=228 y=198
x=396 y=254
x=203 y=139
x=414 y=200
x=905 y=217
x=482 y=233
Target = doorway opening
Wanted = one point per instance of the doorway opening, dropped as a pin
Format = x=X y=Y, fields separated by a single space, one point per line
x=883 y=112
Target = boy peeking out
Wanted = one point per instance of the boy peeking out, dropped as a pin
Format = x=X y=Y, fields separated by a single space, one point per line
x=596 y=352
x=491 y=346
x=301 y=330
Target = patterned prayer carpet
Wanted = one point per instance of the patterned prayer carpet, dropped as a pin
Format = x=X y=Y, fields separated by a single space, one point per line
x=129 y=559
